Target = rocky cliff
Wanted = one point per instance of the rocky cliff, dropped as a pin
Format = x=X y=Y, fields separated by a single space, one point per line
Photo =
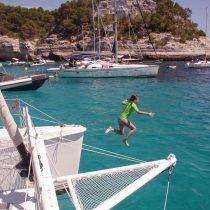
x=166 y=46
x=10 y=48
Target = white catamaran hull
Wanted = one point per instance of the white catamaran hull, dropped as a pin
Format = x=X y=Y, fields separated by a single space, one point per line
x=197 y=65
x=62 y=143
x=114 y=71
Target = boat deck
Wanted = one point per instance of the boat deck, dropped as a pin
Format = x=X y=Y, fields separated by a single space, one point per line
x=18 y=199
x=9 y=157
x=14 y=189
x=9 y=175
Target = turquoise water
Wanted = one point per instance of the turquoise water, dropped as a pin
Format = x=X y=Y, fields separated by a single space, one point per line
x=181 y=100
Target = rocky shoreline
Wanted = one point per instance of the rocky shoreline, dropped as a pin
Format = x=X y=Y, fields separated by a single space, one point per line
x=58 y=50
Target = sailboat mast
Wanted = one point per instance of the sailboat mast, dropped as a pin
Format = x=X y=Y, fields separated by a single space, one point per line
x=115 y=29
x=83 y=38
x=141 y=13
x=99 y=41
x=206 y=31
x=94 y=35
x=129 y=35
x=13 y=131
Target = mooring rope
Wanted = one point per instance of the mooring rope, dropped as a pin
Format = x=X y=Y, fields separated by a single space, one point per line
x=111 y=154
x=167 y=190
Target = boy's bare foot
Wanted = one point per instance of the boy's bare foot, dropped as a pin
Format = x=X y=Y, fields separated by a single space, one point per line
x=108 y=130
x=125 y=142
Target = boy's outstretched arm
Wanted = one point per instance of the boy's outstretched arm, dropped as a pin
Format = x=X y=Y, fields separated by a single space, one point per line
x=151 y=114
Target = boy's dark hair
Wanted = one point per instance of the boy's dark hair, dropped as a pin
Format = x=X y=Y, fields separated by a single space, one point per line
x=133 y=98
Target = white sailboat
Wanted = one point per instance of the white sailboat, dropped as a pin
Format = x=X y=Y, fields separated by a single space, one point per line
x=54 y=154
x=200 y=61
x=16 y=62
x=198 y=64
x=41 y=62
x=105 y=69
x=108 y=70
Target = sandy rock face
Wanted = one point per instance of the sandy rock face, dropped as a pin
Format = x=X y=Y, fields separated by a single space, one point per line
x=167 y=47
x=10 y=48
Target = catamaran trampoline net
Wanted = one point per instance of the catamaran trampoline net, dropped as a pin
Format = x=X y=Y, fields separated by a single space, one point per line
x=94 y=190
x=9 y=175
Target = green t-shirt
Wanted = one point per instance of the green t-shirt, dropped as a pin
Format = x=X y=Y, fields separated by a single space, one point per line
x=128 y=109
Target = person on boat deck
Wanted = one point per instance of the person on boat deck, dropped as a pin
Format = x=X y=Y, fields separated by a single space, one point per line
x=129 y=105
x=72 y=63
